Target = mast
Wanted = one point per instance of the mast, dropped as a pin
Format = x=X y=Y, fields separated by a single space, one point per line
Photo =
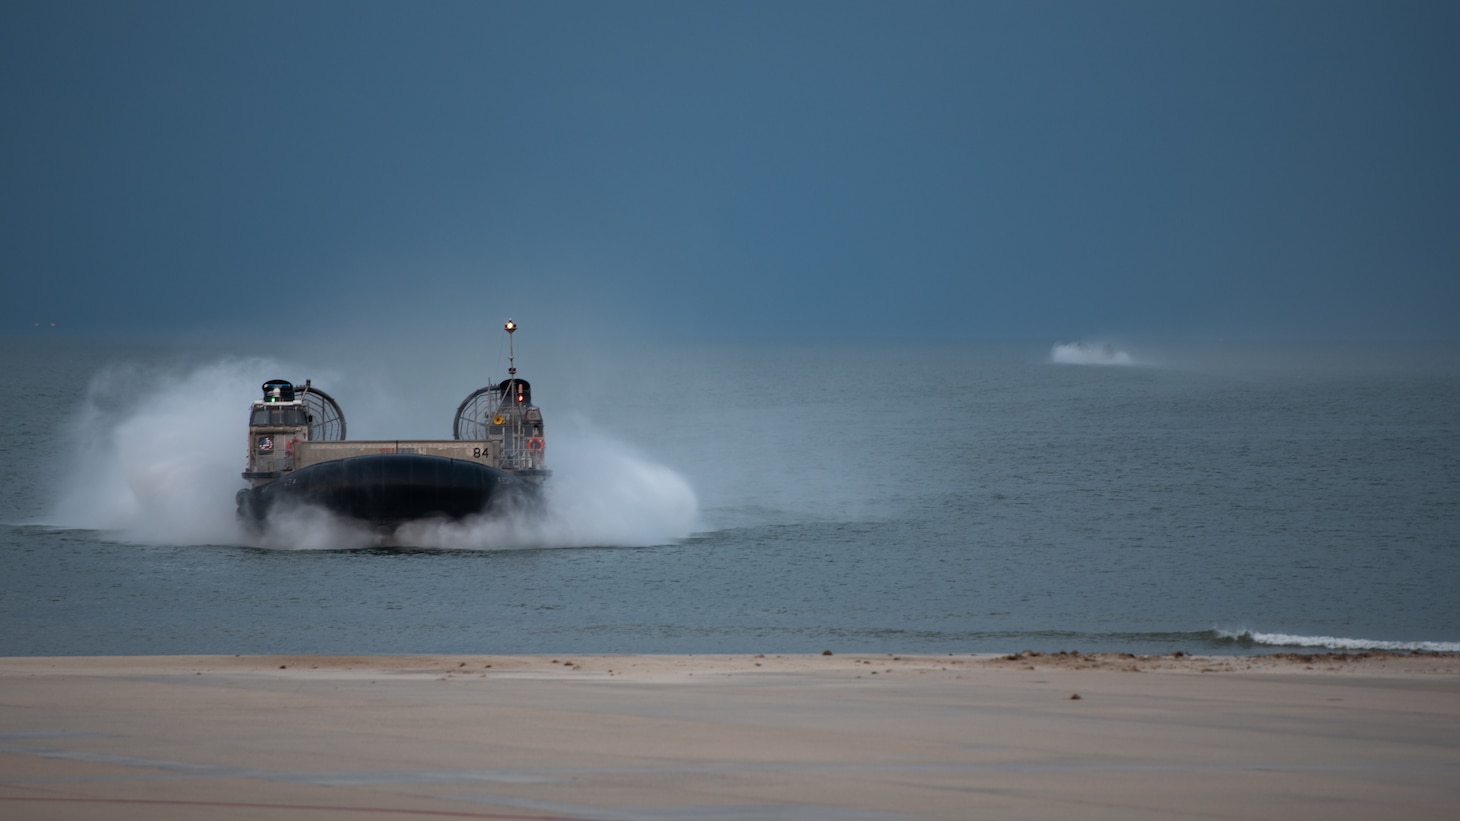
x=510 y=328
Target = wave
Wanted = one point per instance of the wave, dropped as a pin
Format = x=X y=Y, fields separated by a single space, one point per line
x=1251 y=638
x=1215 y=641
x=1089 y=353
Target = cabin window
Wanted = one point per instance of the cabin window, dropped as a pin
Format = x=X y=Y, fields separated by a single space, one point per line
x=276 y=415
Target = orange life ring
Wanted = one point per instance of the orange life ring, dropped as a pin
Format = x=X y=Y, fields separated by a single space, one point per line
x=536 y=444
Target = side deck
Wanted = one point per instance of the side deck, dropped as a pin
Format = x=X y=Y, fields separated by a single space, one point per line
x=312 y=453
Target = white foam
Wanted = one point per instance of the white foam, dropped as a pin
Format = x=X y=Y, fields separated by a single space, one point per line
x=1089 y=353
x=1337 y=642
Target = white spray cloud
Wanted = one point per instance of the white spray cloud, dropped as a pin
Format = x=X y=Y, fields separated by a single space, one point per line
x=157 y=458
x=1089 y=353
x=602 y=494
x=157 y=455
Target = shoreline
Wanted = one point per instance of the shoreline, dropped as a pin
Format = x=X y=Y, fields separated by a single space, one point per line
x=843 y=737
x=1376 y=662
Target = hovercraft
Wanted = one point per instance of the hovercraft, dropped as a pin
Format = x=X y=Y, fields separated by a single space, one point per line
x=298 y=456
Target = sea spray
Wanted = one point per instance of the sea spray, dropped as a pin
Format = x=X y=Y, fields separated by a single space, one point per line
x=1089 y=353
x=602 y=494
x=156 y=457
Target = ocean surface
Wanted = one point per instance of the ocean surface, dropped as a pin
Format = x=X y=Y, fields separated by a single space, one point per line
x=758 y=498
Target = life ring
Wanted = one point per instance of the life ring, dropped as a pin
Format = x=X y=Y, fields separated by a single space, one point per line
x=536 y=445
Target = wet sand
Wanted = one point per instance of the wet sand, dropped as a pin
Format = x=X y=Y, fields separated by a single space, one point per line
x=724 y=738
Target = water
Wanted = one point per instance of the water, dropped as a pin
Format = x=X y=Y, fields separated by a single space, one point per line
x=762 y=498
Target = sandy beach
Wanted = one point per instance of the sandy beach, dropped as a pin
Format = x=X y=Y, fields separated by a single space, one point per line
x=723 y=738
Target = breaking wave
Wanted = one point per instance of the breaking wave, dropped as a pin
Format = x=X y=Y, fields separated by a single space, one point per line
x=1089 y=353
x=1251 y=638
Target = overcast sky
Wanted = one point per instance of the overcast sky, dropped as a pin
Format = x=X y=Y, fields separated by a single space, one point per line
x=721 y=169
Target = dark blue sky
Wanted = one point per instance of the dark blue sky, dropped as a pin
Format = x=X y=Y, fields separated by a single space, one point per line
x=810 y=169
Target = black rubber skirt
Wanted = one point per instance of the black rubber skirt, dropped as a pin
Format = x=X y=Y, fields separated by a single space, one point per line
x=390 y=488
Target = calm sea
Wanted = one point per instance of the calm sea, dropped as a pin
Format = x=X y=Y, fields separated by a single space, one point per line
x=760 y=499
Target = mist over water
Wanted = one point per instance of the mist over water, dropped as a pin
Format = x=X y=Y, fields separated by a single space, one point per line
x=155 y=456
x=1089 y=353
